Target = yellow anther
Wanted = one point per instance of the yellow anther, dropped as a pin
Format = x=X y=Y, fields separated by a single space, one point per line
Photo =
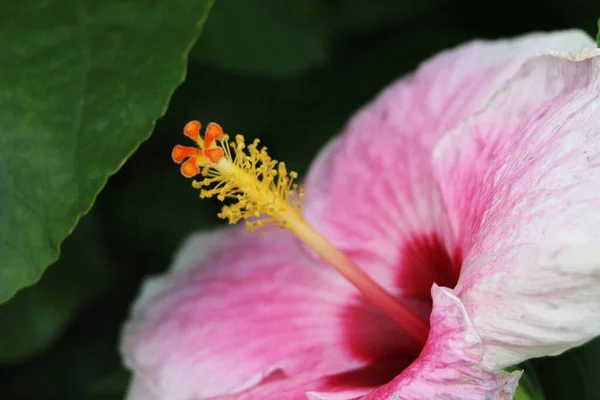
x=263 y=191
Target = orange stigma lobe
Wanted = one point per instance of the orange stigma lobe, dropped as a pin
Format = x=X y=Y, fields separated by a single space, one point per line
x=180 y=153
x=213 y=131
x=190 y=168
x=207 y=152
x=192 y=130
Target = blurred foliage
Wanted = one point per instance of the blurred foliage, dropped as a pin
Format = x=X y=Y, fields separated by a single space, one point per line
x=598 y=35
x=82 y=84
x=289 y=75
x=572 y=375
x=264 y=37
x=38 y=314
x=529 y=385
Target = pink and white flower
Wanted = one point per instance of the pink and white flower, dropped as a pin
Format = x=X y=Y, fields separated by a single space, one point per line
x=470 y=190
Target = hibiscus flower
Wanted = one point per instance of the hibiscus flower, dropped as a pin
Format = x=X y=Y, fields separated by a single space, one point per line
x=462 y=208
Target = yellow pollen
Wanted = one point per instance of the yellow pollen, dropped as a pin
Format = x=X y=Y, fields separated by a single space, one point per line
x=261 y=191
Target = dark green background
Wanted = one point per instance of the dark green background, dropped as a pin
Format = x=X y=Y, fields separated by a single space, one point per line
x=291 y=75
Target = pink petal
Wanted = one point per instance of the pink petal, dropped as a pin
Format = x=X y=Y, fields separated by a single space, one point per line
x=522 y=184
x=449 y=366
x=240 y=308
x=372 y=191
x=307 y=386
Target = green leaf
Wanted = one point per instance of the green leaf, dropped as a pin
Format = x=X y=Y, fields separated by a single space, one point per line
x=572 y=375
x=529 y=386
x=266 y=37
x=37 y=315
x=598 y=36
x=82 y=83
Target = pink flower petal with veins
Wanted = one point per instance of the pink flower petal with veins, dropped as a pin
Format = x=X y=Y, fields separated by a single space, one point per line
x=530 y=167
x=235 y=314
x=470 y=190
x=450 y=366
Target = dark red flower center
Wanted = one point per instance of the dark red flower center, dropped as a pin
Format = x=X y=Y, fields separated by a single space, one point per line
x=372 y=337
